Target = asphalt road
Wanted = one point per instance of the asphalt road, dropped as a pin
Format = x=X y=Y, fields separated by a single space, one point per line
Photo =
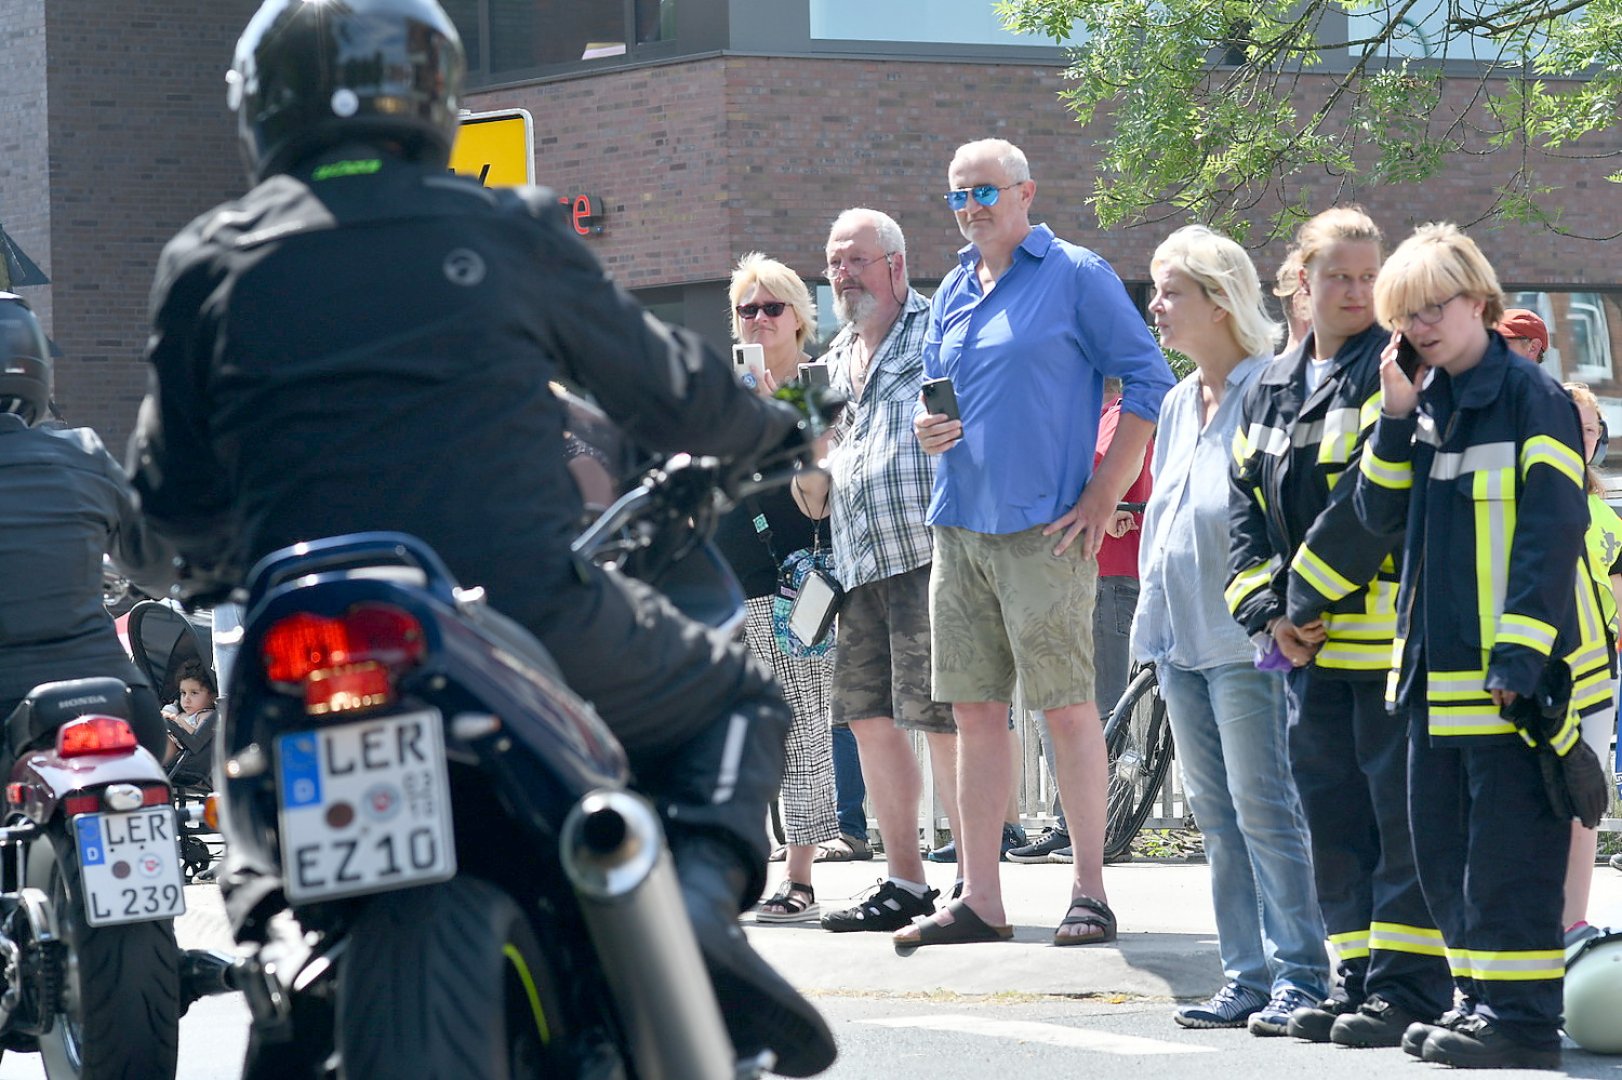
x=982 y=1012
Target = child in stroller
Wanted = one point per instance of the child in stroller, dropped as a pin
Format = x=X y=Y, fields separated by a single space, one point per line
x=190 y=725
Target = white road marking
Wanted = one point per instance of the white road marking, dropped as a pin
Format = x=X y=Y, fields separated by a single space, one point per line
x=1051 y=1034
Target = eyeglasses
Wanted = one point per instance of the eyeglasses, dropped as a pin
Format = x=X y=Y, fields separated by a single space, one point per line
x=772 y=309
x=855 y=266
x=1429 y=315
x=984 y=194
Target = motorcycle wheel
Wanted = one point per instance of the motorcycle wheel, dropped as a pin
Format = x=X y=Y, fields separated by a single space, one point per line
x=448 y=982
x=119 y=1015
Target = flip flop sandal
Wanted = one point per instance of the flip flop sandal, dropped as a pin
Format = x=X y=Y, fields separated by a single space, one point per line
x=779 y=853
x=1094 y=913
x=798 y=903
x=840 y=849
x=962 y=927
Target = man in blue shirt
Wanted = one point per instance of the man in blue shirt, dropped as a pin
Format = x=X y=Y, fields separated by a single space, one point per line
x=1026 y=327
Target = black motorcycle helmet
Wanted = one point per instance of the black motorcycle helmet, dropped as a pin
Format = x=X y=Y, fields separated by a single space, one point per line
x=25 y=361
x=312 y=74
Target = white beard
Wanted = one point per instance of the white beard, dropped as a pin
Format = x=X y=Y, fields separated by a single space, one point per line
x=855 y=310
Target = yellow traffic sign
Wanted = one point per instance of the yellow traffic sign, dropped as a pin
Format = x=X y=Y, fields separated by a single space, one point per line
x=496 y=148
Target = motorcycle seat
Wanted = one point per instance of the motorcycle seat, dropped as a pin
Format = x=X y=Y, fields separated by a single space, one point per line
x=50 y=705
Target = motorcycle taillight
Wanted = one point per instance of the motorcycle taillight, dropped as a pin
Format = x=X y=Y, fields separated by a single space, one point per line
x=346 y=663
x=94 y=735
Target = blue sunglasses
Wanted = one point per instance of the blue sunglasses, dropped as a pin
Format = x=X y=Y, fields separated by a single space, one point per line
x=984 y=194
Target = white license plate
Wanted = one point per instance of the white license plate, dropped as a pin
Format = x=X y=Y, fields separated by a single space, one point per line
x=364 y=807
x=129 y=866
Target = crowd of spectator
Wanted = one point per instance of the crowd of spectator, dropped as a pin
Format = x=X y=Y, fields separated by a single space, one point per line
x=1371 y=536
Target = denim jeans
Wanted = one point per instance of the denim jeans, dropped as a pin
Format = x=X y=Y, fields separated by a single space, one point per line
x=1112 y=659
x=849 y=790
x=1228 y=724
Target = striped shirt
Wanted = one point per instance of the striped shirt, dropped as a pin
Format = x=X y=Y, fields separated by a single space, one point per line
x=882 y=478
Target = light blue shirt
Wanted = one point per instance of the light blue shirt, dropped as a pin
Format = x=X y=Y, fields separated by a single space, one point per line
x=1183 y=556
x=1028 y=361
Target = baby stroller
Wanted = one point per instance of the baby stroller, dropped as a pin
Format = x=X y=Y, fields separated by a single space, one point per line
x=161 y=641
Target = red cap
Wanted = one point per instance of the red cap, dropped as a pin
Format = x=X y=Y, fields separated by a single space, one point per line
x=1518 y=322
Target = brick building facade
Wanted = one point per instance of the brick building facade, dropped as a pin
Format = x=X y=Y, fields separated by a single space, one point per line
x=114 y=133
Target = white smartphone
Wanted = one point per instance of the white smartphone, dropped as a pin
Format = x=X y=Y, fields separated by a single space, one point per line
x=749 y=364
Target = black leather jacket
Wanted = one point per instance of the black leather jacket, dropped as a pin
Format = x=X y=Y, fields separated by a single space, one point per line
x=367 y=343
x=66 y=503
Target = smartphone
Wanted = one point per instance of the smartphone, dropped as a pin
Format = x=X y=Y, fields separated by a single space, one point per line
x=749 y=364
x=1407 y=357
x=815 y=376
x=940 y=398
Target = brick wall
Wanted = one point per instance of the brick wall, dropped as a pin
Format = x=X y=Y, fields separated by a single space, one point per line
x=24 y=208
x=140 y=143
x=701 y=161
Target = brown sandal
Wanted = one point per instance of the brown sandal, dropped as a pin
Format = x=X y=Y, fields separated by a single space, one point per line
x=960 y=926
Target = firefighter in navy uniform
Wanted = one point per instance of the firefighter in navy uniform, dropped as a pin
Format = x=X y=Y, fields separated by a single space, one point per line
x=1484 y=467
x=1306 y=572
x=366 y=342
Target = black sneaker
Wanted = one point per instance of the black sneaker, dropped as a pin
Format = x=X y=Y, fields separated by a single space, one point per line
x=1413 y=1040
x=1377 y=1022
x=1476 y=1044
x=1012 y=837
x=1038 y=850
x=887 y=907
x=1313 y=1023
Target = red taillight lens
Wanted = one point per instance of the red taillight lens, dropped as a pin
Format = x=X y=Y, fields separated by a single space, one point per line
x=155 y=795
x=74 y=805
x=94 y=735
x=344 y=663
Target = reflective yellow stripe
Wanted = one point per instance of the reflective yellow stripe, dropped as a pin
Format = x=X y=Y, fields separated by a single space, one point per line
x=1272 y=441
x=1241 y=446
x=1397 y=937
x=1516 y=966
x=1396 y=475
x=1246 y=583
x=1483 y=457
x=1355 y=655
x=1317 y=573
x=1517 y=629
x=1492 y=494
x=1350 y=945
x=1456 y=685
x=1473 y=719
x=1370 y=412
x=1340 y=428
x=1547 y=450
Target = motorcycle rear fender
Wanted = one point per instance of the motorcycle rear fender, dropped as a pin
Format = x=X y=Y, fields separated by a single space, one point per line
x=47 y=778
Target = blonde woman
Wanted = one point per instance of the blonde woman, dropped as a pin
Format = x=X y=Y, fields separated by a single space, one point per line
x=1227 y=717
x=772 y=307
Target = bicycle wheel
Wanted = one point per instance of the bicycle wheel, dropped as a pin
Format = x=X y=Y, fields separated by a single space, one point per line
x=1138 y=738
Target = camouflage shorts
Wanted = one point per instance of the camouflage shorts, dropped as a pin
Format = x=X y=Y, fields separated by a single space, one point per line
x=1002 y=606
x=881 y=667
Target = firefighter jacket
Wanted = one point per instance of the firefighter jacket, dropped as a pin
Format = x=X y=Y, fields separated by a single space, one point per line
x=1297 y=547
x=1489 y=477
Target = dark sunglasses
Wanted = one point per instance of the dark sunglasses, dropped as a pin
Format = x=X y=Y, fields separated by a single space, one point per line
x=772 y=308
x=984 y=194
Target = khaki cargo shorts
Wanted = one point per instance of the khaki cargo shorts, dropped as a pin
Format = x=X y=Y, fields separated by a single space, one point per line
x=1004 y=606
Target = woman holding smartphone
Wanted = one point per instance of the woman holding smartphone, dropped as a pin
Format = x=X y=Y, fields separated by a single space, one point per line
x=772 y=308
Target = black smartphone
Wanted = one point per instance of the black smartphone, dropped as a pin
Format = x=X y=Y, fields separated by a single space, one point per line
x=814 y=375
x=940 y=398
x=1407 y=358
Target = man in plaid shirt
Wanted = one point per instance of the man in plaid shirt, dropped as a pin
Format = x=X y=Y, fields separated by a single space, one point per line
x=881 y=484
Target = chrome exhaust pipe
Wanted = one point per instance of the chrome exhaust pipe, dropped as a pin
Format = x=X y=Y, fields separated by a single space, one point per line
x=613 y=849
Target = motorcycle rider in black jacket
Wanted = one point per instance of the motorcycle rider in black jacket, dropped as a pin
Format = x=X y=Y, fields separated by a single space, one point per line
x=67 y=502
x=364 y=341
